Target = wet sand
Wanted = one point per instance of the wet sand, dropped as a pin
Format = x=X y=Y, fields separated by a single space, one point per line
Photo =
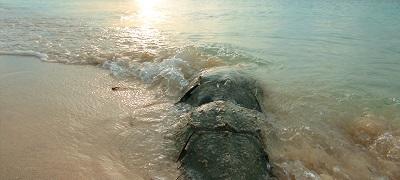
x=65 y=122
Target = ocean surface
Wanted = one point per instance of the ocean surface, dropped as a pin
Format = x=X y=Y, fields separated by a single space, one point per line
x=330 y=71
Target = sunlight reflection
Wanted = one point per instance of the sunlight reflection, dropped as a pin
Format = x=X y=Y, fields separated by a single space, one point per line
x=148 y=10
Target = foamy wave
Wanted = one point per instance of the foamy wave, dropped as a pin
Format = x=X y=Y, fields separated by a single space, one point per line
x=387 y=145
x=168 y=72
x=173 y=68
x=296 y=169
x=41 y=56
x=375 y=134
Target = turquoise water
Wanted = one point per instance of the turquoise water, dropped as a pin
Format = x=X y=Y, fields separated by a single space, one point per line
x=330 y=68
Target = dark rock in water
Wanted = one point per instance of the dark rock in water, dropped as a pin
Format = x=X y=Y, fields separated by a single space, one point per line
x=221 y=113
x=225 y=156
x=222 y=139
x=223 y=84
x=223 y=142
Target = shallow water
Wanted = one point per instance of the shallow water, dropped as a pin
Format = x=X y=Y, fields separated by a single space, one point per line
x=65 y=122
x=329 y=68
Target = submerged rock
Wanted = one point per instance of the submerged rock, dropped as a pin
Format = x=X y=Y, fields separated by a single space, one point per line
x=222 y=137
x=224 y=84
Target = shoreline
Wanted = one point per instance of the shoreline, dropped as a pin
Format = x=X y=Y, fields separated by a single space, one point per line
x=65 y=122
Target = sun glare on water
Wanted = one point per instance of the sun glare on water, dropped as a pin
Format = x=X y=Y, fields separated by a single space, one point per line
x=143 y=13
x=148 y=9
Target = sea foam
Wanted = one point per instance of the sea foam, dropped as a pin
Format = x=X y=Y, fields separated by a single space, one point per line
x=41 y=56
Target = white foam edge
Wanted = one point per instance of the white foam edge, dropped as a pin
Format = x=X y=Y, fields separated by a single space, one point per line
x=39 y=55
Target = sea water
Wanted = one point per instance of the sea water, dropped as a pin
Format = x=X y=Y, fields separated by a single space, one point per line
x=329 y=69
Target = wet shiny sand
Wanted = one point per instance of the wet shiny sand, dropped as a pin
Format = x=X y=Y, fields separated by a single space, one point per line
x=65 y=122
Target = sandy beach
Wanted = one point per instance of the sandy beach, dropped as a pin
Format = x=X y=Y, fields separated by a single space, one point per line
x=65 y=122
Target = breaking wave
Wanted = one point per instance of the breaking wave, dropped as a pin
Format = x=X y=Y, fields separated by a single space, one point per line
x=173 y=70
x=168 y=71
x=41 y=56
